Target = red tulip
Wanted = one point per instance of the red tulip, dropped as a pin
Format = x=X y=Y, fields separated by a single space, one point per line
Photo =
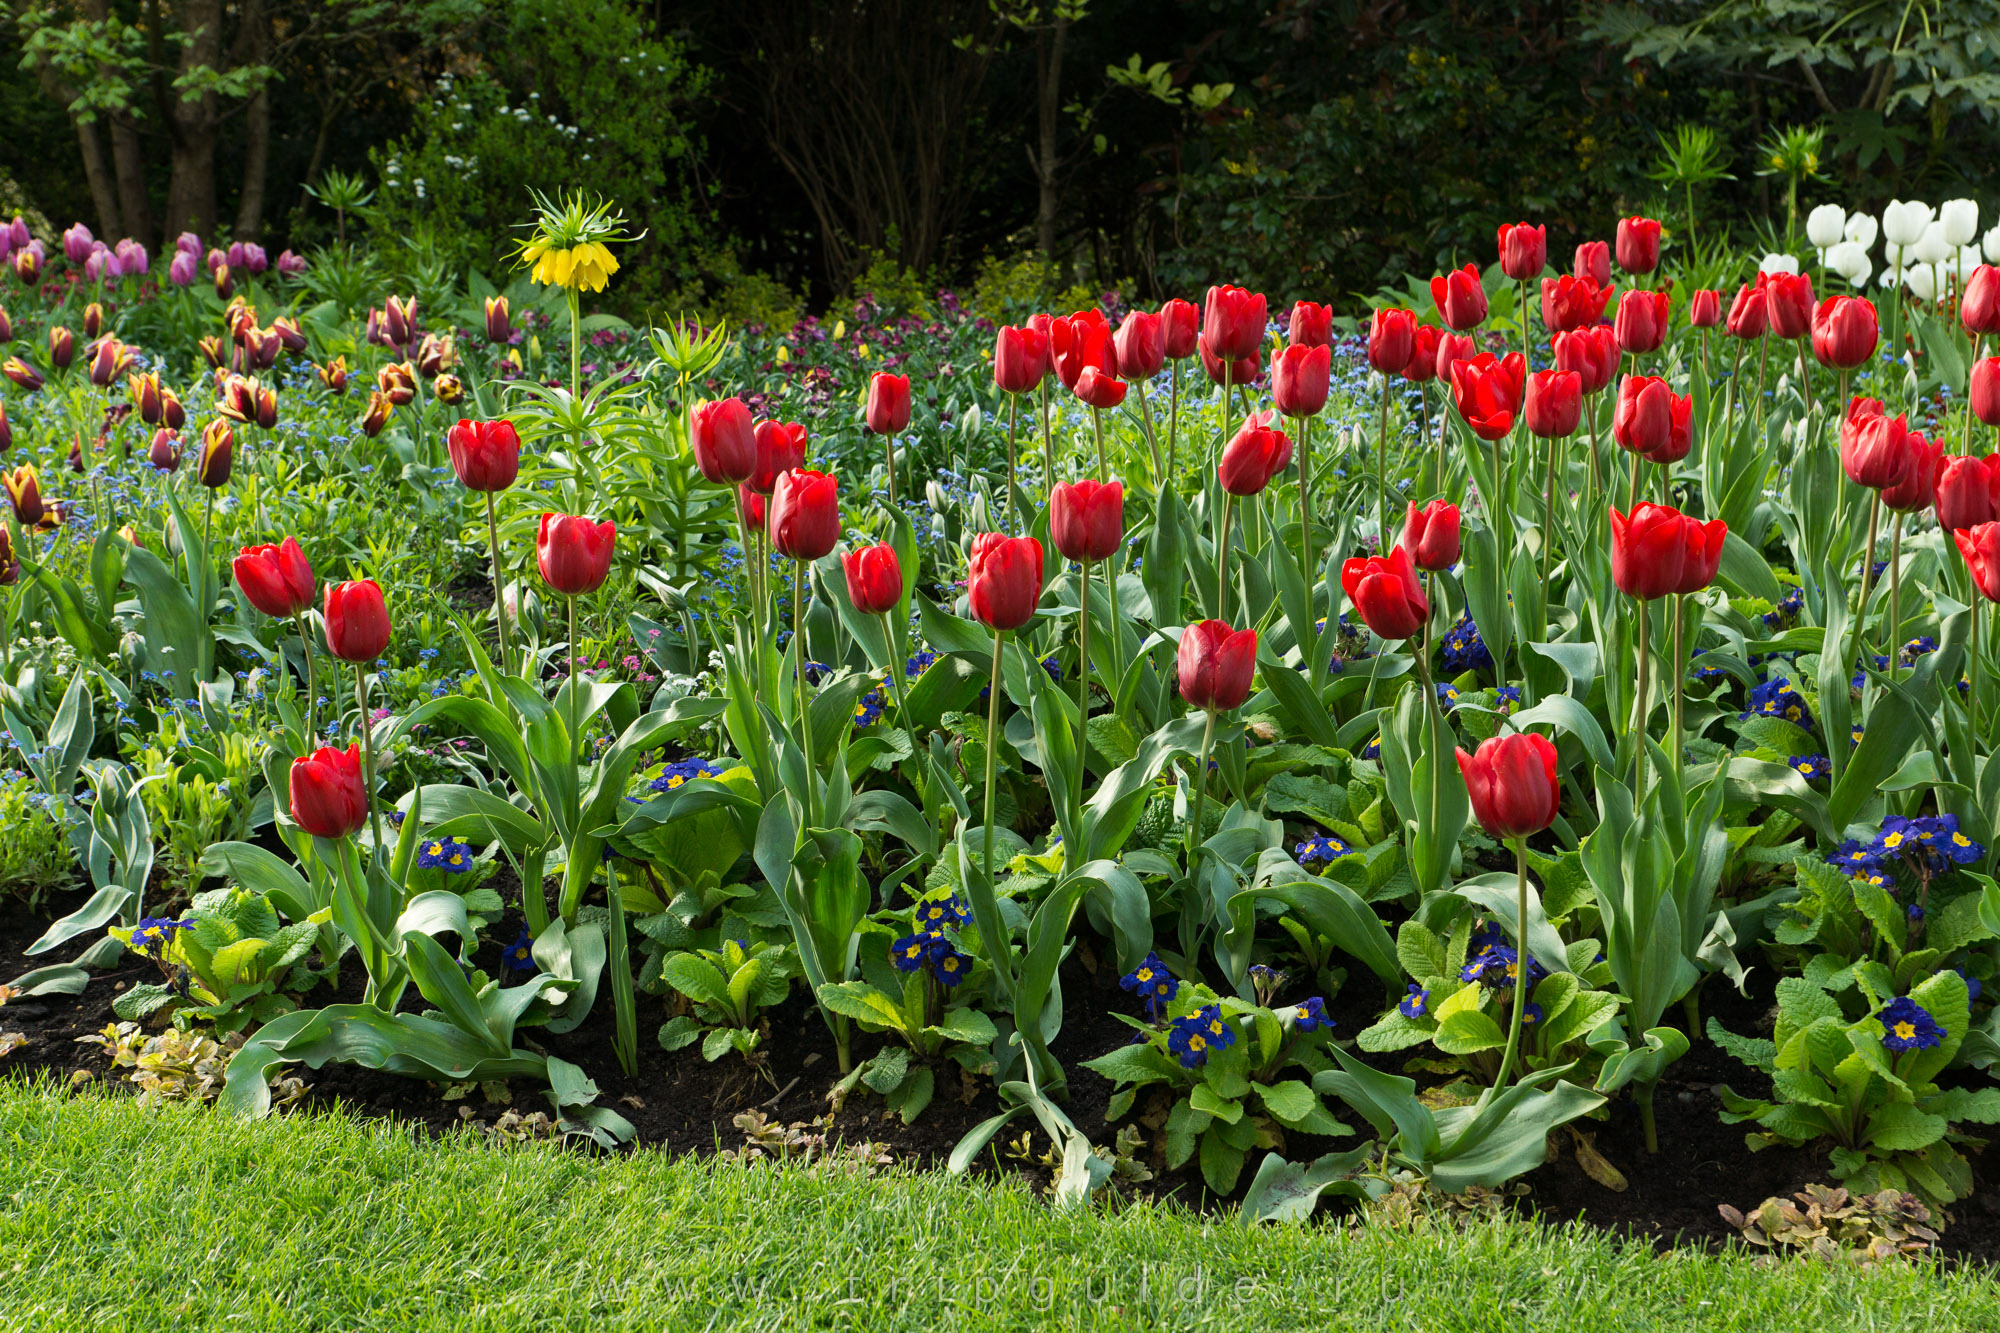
x=1592 y=353
x=1100 y=389
x=1643 y=320
x=874 y=578
x=1259 y=452
x=1422 y=367
x=486 y=455
x=1524 y=250
x=1079 y=340
x=1513 y=784
x=1918 y=488
x=1968 y=492
x=1874 y=447
x=1020 y=359
x=1087 y=519
x=574 y=553
x=1979 y=307
x=805 y=514
x=1452 y=348
x=357 y=620
x=1985 y=390
x=1638 y=245
x=1844 y=332
x=1311 y=325
x=1658 y=550
x=1572 y=303
x=1748 y=313
x=1652 y=421
x=1593 y=261
x=1300 y=377
x=1140 y=345
x=1431 y=535
x=1387 y=593
x=1391 y=339
x=1981 y=548
x=1554 y=404
x=1233 y=322
x=329 y=799
x=275 y=579
x=1180 y=328
x=750 y=506
x=1215 y=664
x=725 y=443
x=1003 y=580
x=1460 y=300
x=781 y=446
x=888 y=404
x=1487 y=391
x=1244 y=370
x=1705 y=309
x=1788 y=300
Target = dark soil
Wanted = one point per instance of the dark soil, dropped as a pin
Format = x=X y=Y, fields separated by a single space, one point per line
x=681 y=1102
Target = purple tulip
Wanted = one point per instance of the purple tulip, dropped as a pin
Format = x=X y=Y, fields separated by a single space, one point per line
x=291 y=264
x=19 y=233
x=132 y=258
x=182 y=271
x=6 y=242
x=77 y=243
x=188 y=243
x=254 y=258
x=216 y=259
x=94 y=262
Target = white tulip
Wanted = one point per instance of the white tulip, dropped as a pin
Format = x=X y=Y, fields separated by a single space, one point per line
x=1778 y=264
x=1961 y=220
x=1920 y=280
x=1932 y=247
x=1891 y=279
x=1993 y=246
x=1968 y=260
x=1826 y=225
x=1903 y=223
x=1861 y=229
x=1851 y=262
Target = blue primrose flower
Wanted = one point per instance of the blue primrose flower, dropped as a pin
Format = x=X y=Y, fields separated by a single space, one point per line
x=869 y=708
x=1311 y=1016
x=1776 y=697
x=1463 y=649
x=1414 y=1004
x=446 y=854
x=1811 y=767
x=1497 y=967
x=941 y=910
x=1447 y=697
x=1907 y=1026
x=915 y=666
x=1531 y=1015
x=1972 y=986
x=520 y=955
x=682 y=771
x=1153 y=983
x=1320 y=850
x=1505 y=697
x=1190 y=1039
x=154 y=933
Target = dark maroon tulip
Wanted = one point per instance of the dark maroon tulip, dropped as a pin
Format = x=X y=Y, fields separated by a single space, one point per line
x=1555 y=403
x=1512 y=783
x=1003 y=581
x=874 y=578
x=1087 y=519
x=1431 y=535
x=165 y=451
x=1215 y=665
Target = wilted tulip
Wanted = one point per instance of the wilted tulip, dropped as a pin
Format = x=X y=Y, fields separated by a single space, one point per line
x=1554 y=404
x=1431 y=535
x=805 y=514
x=574 y=553
x=435 y=355
x=1300 y=379
x=1460 y=299
x=1658 y=551
x=1215 y=665
x=1512 y=785
x=725 y=442
x=1386 y=592
x=874 y=578
x=376 y=415
x=449 y=389
x=1087 y=519
x=1003 y=582
x=1844 y=332
x=1391 y=339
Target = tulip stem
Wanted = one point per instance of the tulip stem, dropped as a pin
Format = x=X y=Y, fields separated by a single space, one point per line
x=1382 y=474
x=1083 y=683
x=1972 y=679
x=1639 y=709
x=1763 y=411
x=1868 y=570
x=499 y=584
x=1520 y=1002
x=1152 y=442
x=996 y=950
x=1200 y=809
x=1965 y=433
x=367 y=758
x=1632 y=488
x=1173 y=420
x=1889 y=640
x=312 y=690
x=1222 y=560
x=1305 y=513
x=1676 y=608
x=799 y=663
x=575 y=741
x=1549 y=509
x=1097 y=432
x=889 y=454
x=1048 y=447
x=1805 y=377
x=1013 y=486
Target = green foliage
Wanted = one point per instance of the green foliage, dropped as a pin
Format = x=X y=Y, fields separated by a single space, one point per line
x=728 y=988
x=225 y=964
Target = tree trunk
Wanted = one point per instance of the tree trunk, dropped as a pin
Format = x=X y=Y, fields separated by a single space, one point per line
x=94 y=171
x=253 y=48
x=191 y=190
x=1049 y=110
x=129 y=160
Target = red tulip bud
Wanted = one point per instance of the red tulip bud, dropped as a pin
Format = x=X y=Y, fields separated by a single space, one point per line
x=1180 y=328
x=888 y=404
x=781 y=446
x=1705 y=309
x=1844 y=332
x=486 y=455
x=1638 y=245
x=1593 y=261
x=1652 y=420
x=1788 y=300
x=1020 y=359
x=574 y=553
x=725 y=443
x=1003 y=581
x=357 y=620
x=1391 y=339
x=1512 y=783
x=804 y=514
x=1259 y=452
x=1087 y=519
x=1555 y=403
x=1658 y=550
x=1300 y=379
x=1460 y=299
x=1979 y=307
x=1524 y=250
x=1387 y=593
x=1311 y=325
x=874 y=578
x=1215 y=665
x=1968 y=492
x=1431 y=535
x=328 y=797
x=1140 y=345
x=1233 y=322
x=1642 y=321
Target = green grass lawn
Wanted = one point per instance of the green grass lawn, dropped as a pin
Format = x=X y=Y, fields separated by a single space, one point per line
x=116 y=1216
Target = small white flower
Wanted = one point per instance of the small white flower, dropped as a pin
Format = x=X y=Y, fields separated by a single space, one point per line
x=1961 y=220
x=1932 y=247
x=1903 y=222
x=1861 y=229
x=1850 y=261
x=1825 y=225
x=1775 y=263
